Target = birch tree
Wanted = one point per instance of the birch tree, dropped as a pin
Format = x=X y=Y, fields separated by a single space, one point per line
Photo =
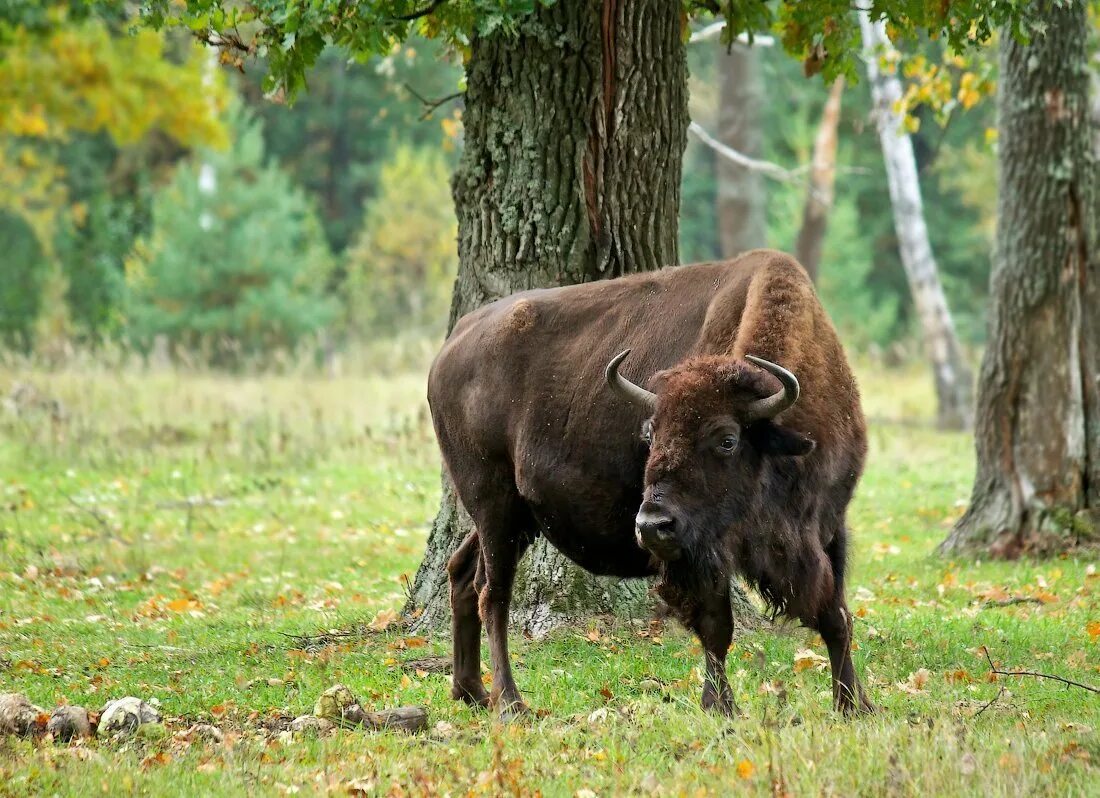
x=952 y=376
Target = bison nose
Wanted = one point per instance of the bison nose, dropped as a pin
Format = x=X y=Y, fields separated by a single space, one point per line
x=656 y=532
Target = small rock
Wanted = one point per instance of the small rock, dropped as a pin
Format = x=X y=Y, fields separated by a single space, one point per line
x=203 y=731
x=19 y=716
x=125 y=715
x=649 y=686
x=68 y=722
x=339 y=704
x=598 y=716
x=444 y=729
x=312 y=723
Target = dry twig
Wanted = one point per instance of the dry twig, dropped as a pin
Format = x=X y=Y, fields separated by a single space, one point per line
x=993 y=668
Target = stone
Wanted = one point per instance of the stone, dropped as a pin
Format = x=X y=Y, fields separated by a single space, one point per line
x=125 y=715
x=68 y=722
x=19 y=716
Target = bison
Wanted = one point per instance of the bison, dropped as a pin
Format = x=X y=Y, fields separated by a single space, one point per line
x=739 y=458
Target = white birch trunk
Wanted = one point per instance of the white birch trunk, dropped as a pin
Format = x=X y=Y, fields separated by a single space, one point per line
x=953 y=378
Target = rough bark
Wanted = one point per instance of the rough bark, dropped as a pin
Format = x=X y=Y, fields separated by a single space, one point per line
x=1096 y=106
x=741 y=200
x=952 y=375
x=820 y=192
x=1038 y=435
x=574 y=134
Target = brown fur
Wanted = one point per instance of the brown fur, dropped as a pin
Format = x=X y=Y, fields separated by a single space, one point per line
x=537 y=444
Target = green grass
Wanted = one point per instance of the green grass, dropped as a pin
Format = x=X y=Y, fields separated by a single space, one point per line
x=167 y=535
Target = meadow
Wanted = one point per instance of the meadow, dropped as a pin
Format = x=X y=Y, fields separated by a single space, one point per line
x=233 y=545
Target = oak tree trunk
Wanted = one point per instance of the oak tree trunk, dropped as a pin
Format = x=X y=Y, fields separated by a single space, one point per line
x=741 y=199
x=952 y=375
x=574 y=133
x=1038 y=434
x=821 y=189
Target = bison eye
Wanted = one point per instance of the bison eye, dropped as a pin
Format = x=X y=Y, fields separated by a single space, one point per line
x=727 y=444
x=647 y=432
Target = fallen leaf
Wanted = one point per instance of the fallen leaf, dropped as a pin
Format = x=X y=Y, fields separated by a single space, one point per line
x=161 y=758
x=360 y=787
x=959 y=676
x=383 y=620
x=183 y=605
x=1093 y=629
x=804 y=659
x=916 y=681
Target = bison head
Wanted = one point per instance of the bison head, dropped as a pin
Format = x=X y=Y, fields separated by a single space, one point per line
x=709 y=430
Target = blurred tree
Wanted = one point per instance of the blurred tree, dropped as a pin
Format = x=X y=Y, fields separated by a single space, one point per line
x=66 y=79
x=237 y=271
x=22 y=274
x=820 y=189
x=741 y=198
x=950 y=371
x=337 y=138
x=401 y=269
x=1038 y=435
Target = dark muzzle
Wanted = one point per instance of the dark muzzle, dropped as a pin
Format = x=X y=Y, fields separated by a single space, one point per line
x=656 y=532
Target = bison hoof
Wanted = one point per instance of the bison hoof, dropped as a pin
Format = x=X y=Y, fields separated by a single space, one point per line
x=850 y=708
x=475 y=694
x=512 y=711
x=719 y=703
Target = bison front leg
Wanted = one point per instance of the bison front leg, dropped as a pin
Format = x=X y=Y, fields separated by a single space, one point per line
x=835 y=626
x=501 y=550
x=714 y=626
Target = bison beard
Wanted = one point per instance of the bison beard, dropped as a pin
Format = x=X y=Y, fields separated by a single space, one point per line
x=732 y=475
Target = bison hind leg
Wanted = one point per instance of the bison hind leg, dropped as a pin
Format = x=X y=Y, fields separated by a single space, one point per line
x=465 y=571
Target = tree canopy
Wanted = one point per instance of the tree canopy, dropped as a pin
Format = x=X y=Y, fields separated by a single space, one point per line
x=290 y=34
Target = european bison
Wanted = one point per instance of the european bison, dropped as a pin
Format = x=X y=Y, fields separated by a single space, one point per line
x=722 y=469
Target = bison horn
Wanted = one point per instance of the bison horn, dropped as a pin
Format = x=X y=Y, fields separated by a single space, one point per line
x=771 y=406
x=635 y=394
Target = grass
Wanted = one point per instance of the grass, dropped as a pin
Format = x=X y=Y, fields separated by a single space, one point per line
x=169 y=534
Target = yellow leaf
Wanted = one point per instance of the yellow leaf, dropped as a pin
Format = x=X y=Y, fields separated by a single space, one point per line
x=183 y=605
x=383 y=620
x=805 y=659
x=1093 y=629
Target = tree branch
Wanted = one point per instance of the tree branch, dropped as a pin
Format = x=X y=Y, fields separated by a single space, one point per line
x=432 y=6
x=1070 y=682
x=430 y=106
x=715 y=29
x=766 y=168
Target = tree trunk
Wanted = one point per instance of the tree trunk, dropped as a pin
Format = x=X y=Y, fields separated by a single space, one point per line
x=1096 y=107
x=574 y=133
x=820 y=192
x=1038 y=436
x=741 y=200
x=952 y=376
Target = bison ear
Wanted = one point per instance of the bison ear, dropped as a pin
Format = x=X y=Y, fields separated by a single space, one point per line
x=770 y=438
